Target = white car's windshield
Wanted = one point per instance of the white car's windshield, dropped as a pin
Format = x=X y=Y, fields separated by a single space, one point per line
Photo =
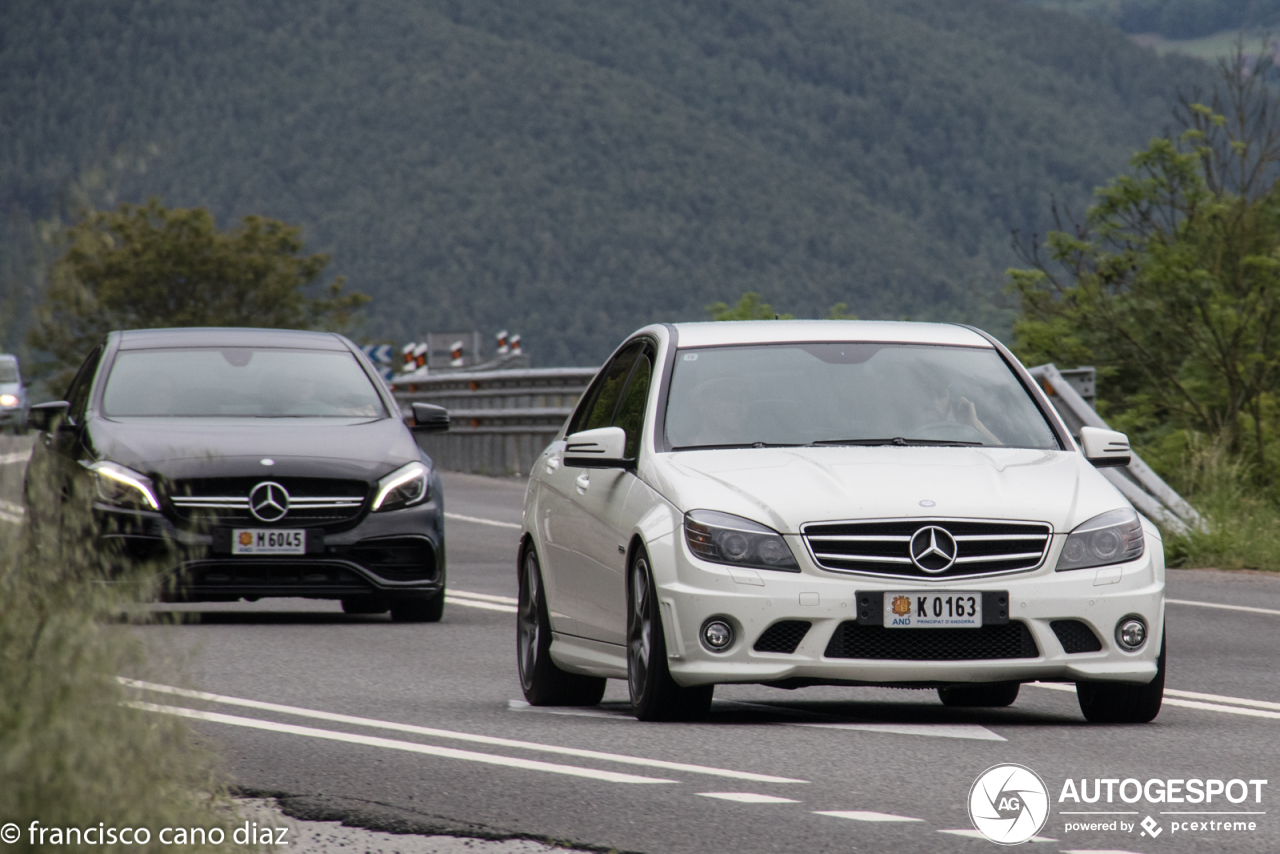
x=850 y=393
x=239 y=381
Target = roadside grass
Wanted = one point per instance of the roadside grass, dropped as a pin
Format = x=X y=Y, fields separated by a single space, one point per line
x=72 y=753
x=1243 y=520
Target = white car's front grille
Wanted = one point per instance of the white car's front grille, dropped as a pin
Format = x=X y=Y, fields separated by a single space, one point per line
x=943 y=548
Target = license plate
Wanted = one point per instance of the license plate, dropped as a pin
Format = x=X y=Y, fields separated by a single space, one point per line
x=932 y=610
x=269 y=541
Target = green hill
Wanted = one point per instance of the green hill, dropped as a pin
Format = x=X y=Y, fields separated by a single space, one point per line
x=570 y=169
x=1175 y=19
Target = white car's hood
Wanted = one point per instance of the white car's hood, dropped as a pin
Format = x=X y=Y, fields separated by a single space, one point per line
x=788 y=487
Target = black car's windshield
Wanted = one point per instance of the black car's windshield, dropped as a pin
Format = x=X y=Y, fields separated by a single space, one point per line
x=850 y=394
x=239 y=382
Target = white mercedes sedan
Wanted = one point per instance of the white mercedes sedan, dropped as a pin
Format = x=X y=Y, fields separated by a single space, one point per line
x=795 y=503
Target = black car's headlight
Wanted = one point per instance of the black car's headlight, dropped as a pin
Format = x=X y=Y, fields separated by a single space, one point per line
x=8 y=401
x=404 y=487
x=722 y=538
x=123 y=487
x=1112 y=537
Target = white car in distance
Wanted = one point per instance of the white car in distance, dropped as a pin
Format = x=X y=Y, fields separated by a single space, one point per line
x=797 y=503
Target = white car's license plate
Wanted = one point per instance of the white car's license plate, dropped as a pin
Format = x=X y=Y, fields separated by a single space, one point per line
x=932 y=610
x=269 y=541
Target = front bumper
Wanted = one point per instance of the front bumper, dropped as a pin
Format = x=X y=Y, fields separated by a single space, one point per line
x=755 y=600
x=190 y=569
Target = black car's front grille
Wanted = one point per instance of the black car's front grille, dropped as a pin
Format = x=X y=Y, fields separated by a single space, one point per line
x=883 y=547
x=1075 y=636
x=396 y=558
x=272 y=573
x=783 y=636
x=1011 y=640
x=312 y=502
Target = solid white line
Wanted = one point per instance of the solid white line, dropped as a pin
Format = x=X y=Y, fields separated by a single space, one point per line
x=1192 y=704
x=6 y=517
x=452 y=734
x=1223 y=607
x=486 y=597
x=1099 y=851
x=10 y=507
x=976 y=834
x=20 y=457
x=477 y=520
x=863 y=815
x=488 y=606
x=1218 y=698
x=973 y=731
x=392 y=744
x=748 y=798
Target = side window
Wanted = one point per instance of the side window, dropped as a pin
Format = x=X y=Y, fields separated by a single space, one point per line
x=82 y=385
x=597 y=409
x=630 y=415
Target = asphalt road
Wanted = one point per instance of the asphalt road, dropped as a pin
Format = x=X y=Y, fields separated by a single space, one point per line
x=422 y=728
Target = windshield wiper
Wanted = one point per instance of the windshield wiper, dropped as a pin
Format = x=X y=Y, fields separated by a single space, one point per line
x=737 y=445
x=898 y=440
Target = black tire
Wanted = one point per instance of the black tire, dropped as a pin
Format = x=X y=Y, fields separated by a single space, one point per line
x=543 y=683
x=1122 y=702
x=418 y=610
x=989 y=695
x=655 y=696
x=364 y=605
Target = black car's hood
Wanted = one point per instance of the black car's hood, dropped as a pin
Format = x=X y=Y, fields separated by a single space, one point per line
x=178 y=448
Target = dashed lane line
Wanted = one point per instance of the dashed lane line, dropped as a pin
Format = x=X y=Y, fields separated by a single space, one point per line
x=20 y=457
x=485 y=597
x=455 y=735
x=972 y=731
x=392 y=744
x=977 y=834
x=1223 y=607
x=864 y=815
x=10 y=512
x=748 y=798
x=1218 y=698
x=1241 y=709
x=453 y=599
x=478 y=521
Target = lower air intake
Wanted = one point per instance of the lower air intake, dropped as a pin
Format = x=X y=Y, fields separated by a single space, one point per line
x=1011 y=640
x=1075 y=636
x=782 y=637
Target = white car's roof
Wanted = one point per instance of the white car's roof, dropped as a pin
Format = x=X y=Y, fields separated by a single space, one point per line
x=717 y=333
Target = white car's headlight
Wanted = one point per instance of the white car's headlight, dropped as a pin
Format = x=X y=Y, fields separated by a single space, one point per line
x=722 y=538
x=8 y=401
x=1112 y=537
x=123 y=487
x=406 y=486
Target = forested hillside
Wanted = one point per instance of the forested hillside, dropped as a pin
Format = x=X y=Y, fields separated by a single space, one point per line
x=572 y=169
x=1175 y=19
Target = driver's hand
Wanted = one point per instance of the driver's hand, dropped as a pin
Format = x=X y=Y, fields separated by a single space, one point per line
x=966 y=412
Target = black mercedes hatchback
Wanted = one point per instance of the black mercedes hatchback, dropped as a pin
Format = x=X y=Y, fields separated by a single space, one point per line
x=270 y=462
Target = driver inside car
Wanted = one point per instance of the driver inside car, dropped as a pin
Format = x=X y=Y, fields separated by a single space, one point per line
x=946 y=403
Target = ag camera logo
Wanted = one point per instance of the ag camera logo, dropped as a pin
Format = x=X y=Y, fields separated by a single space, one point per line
x=1008 y=804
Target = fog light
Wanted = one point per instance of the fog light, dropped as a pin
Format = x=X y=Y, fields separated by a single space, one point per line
x=1131 y=633
x=717 y=634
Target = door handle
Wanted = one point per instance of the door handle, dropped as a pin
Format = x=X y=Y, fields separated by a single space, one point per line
x=553 y=463
x=583 y=481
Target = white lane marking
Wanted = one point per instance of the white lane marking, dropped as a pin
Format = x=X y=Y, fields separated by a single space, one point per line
x=458 y=736
x=863 y=815
x=477 y=520
x=1098 y=851
x=1218 y=698
x=1192 y=704
x=6 y=517
x=748 y=798
x=20 y=457
x=392 y=744
x=582 y=712
x=483 y=597
x=975 y=834
x=452 y=599
x=1223 y=607
x=10 y=507
x=973 y=731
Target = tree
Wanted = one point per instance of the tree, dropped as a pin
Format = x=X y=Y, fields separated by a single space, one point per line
x=1172 y=281
x=145 y=266
x=750 y=307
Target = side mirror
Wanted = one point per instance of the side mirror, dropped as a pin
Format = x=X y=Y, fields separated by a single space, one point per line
x=429 y=418
x=43 y=416
x=601 y=448
x=1105 y=448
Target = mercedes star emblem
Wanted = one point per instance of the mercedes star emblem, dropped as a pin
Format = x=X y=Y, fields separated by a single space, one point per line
x=933 y=549
x=269 y=501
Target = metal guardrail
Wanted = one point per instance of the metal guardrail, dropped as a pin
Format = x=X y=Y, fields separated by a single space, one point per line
x=500 y=420
x=1137 y=482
